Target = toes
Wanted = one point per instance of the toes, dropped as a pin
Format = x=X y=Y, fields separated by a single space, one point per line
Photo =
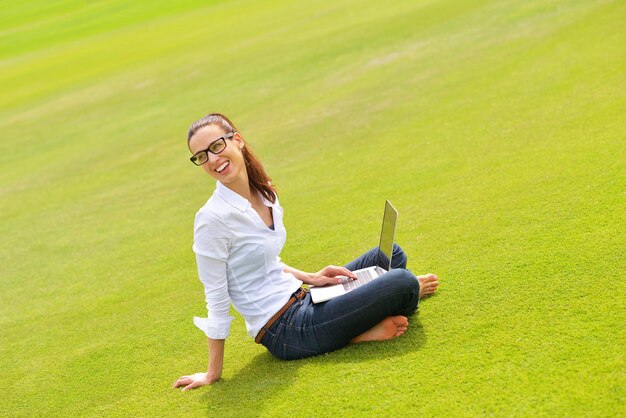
x=427 y=278
x=431 y=285
x=400 y=320
x=431 y=289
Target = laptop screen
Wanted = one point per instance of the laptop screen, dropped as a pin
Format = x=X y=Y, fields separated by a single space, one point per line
x=388 y=232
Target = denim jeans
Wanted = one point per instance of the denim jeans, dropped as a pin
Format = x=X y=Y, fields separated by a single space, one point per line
x=307 y=329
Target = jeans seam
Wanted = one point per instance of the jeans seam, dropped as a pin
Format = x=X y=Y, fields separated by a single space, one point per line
x=299 y=348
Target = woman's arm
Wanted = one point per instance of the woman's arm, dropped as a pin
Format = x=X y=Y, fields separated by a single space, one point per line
x=216 y=361
x=211 y=243
x=327 y=275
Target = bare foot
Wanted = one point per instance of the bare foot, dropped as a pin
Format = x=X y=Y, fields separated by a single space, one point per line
x=388 y=328
x=428 y=284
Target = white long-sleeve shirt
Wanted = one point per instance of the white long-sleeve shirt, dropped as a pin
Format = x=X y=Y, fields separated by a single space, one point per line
x=238 y=261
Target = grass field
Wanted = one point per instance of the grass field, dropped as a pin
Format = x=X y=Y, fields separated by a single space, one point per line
x=495 y=127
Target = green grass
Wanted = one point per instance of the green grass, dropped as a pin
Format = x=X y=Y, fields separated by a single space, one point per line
x=495 y=127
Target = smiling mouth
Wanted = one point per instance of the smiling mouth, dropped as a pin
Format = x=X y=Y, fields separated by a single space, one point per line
x=222 y=167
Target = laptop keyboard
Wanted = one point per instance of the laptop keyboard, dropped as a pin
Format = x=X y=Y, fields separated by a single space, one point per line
x=363 y=277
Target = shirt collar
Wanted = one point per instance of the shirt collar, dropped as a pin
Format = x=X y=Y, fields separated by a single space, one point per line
x=235 y=200
x=232 y=198
x=266 y=202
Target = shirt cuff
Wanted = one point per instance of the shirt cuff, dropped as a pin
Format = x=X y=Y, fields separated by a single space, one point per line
x=217 y=329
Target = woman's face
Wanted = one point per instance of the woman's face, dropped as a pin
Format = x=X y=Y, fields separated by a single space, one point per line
x=228 y=166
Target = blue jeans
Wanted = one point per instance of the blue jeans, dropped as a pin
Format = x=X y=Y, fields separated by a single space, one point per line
x=307 y=329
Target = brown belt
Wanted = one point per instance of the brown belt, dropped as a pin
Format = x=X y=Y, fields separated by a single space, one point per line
x=298 y=296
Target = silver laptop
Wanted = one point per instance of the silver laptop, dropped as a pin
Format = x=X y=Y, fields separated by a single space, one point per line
x=366 y=275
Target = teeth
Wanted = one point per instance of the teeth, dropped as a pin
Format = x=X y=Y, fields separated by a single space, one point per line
x=220 y=168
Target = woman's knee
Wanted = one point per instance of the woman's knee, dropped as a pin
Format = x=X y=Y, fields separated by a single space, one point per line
x=398 y=257
x=403 y=279
x=405 y=288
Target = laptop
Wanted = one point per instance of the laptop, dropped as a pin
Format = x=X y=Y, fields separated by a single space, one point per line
x=323 y=293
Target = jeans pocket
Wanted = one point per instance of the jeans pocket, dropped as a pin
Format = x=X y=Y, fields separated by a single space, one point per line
x=299 y=341
x=289 y=316
x=272 y=338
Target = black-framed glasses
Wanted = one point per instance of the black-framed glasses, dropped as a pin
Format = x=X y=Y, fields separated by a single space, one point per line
x=214 y=148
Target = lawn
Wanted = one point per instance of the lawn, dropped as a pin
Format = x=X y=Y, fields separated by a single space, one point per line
x=495 y=127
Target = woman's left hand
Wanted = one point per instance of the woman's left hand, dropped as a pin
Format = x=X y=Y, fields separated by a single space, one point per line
x=196 y=380
x=329 y=275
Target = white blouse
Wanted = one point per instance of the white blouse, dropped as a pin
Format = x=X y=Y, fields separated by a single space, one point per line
x=238 y=261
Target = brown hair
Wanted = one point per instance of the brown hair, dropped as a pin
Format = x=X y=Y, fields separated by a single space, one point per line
x=257 y=177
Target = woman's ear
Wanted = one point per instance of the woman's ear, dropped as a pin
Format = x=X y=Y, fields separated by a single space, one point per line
x=238 y=139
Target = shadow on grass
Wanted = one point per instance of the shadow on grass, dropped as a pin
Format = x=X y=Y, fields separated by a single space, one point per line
x=252 y=386
x=265 y=376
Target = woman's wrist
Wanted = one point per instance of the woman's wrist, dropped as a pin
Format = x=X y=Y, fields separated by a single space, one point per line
x=308 y=277
x=213 y=375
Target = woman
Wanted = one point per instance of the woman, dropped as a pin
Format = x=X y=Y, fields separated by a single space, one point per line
x=238 y=236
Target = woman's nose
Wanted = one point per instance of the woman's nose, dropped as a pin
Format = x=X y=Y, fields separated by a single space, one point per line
x=212 y=157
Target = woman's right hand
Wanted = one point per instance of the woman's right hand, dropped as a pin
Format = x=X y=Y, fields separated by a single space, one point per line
x=330 y=275
x=195 y=381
